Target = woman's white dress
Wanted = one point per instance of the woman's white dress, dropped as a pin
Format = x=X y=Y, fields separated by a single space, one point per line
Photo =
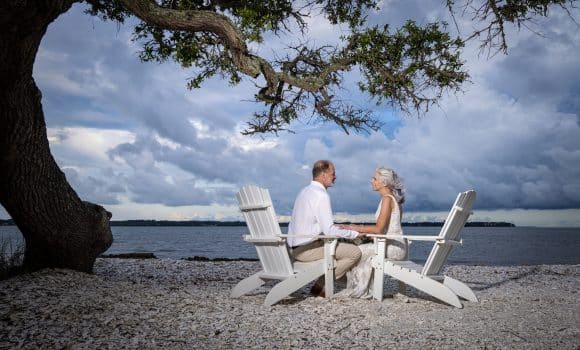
x=360 y=278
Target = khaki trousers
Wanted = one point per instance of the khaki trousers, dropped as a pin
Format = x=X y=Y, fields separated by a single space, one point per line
x=347 y=255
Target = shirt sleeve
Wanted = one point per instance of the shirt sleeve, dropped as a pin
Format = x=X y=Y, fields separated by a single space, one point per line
x=326 y=222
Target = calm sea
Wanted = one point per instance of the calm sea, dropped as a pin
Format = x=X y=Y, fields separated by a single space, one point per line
x=481 y=245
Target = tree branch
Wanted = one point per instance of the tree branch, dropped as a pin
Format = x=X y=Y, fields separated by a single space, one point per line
x=199 y=21
x=399 y=67
x=494 y=14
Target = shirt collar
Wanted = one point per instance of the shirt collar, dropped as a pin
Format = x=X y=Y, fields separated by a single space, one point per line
x=316 y=183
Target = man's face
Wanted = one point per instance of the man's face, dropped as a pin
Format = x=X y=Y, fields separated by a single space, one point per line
x=328 y=177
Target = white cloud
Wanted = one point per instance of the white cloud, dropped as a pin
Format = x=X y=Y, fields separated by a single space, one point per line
x=86 y=143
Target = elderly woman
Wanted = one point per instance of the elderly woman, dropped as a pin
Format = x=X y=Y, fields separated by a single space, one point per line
x=390 y=187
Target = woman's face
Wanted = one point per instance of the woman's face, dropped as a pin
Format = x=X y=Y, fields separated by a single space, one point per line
x=376 y=182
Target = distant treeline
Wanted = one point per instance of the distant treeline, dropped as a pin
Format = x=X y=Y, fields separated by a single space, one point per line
x=468 y=224
x=10 y=222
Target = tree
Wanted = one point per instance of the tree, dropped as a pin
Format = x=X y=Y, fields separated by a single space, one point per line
x=409 y=68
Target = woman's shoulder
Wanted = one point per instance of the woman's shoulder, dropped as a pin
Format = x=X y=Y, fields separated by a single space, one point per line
x=390 y=199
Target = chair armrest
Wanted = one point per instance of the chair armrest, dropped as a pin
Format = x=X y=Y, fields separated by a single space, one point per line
x=437 y=239
x=267 y=239
x=277 y=238
x=328 y=237
x=421 y=238
x=449 y=242
x=407 y=237
x=388 y=236
x=305 y=236
x=283 y=237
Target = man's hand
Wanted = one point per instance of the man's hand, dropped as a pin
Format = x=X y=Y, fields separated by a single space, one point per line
x=345 y=227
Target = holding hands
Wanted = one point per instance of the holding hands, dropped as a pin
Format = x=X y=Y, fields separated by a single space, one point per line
x=352 y=228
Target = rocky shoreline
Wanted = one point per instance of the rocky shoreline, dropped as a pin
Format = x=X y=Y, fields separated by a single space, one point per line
x=179 y=304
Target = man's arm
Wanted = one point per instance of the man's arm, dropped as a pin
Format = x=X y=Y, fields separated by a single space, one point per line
x=324 y=217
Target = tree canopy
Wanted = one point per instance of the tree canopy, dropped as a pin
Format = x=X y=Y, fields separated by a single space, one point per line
x=409 y=68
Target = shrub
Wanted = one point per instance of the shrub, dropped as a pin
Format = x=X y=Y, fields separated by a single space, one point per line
x=11 y=258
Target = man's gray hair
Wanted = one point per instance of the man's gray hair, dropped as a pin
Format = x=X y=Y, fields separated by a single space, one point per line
x=320 y=166
x=389 y=178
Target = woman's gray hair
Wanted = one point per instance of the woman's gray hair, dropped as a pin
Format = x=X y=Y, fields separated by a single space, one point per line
x=393 y=181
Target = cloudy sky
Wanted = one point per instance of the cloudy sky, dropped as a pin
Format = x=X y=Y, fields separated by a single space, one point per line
x=131 y=137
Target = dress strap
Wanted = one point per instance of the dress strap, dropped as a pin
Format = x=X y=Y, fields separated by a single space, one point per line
x=394 y=200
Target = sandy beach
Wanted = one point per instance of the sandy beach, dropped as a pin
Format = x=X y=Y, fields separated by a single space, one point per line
x=178 y=304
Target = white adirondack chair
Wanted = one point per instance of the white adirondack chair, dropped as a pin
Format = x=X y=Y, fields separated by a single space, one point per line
x=277 y=264
x=428 y=278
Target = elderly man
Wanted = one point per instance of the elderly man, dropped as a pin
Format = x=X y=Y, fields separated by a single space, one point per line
x=311 y=217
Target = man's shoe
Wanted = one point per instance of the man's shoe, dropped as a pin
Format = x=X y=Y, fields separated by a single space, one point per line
x=317 y=290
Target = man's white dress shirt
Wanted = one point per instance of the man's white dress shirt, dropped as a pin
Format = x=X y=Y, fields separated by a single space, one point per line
x=312 y=216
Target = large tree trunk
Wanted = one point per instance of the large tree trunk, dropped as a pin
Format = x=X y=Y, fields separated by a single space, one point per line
x=60 y=230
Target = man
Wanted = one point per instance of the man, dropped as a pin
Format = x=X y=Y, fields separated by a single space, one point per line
x=311 y=217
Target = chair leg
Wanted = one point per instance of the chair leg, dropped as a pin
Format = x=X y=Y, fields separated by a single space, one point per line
x=247 y=285
x=293 y=283
x=329 y=253
x=329 y=283
x=378 y=282
x=460 y=289
x=378 y=263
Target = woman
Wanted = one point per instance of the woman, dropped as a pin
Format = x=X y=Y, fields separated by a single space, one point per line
x=389 y=185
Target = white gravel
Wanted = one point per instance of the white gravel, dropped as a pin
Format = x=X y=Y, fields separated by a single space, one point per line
x=177 y=304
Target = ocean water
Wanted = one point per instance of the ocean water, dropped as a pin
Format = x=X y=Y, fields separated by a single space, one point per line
x=481 y=245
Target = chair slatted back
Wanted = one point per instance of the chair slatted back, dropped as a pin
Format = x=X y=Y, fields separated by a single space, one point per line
x=451 y=230
x=258 y=211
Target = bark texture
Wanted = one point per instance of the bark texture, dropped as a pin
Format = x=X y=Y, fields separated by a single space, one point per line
x=60 y=230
